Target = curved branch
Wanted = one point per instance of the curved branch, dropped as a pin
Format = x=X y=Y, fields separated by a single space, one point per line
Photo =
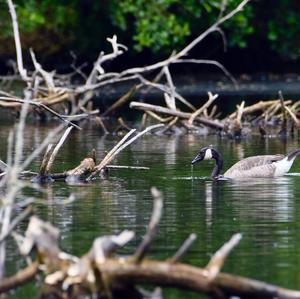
x=18 y=279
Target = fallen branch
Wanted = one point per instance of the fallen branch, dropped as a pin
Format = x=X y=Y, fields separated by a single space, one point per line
x=37 y=104
x=216 y=262
x=20 y=278
x=123 y=99
x=48 y=159
x=211 y=99
x=118 y=148
x=184 y=115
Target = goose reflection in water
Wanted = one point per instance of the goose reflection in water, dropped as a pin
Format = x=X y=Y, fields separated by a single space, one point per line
x=270 y=200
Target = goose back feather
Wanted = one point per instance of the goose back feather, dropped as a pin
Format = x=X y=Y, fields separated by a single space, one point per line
x=256 y=166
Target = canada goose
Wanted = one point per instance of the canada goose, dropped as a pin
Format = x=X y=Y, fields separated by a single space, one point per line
x=264 y=166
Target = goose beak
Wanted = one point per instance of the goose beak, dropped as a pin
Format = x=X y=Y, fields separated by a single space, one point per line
x=197 y=159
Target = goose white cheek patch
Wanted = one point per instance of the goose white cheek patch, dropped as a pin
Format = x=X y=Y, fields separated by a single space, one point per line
x=208 y=154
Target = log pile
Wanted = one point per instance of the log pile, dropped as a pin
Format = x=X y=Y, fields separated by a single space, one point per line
x=69 y=96
x=275 y=117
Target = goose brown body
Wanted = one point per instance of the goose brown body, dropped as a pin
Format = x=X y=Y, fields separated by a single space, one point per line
x=255 y=167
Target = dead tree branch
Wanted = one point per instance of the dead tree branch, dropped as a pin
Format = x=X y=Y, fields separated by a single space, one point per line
x=152 y=227
x=15 y=26
x=182 y=115
x=216 y=262
x=19 y=279
x=183 y=248
x=119 y=147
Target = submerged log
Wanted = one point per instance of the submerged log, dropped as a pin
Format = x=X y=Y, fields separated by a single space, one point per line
x=85 y=167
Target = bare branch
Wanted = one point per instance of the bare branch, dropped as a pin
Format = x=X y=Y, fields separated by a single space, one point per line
x=180 y=114
x=216 y=262
x=14 y=19
x=152 y=226
x=48 y=77
x=119 y=147
x=211 y=99
x=38 y=104
x=212 y=62
x=184 y=248
x=170 y=98
x=57 y=148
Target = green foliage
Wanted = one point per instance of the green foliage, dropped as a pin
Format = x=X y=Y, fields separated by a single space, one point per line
x=156 y=25
x=283 y=29
x=166 y=24
x=33 y=14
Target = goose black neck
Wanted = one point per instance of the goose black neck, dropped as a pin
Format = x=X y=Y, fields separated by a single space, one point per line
x=219 y=164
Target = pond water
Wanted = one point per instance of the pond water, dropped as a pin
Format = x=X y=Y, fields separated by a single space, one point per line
x=265 y=211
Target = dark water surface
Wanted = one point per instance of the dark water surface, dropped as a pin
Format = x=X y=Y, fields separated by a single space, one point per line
x=265 y=211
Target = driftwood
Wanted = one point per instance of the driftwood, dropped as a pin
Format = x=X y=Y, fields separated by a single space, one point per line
x=101 y=273
x=123 y=143
x=176 y=113
x=47 y=88
x=87 y=169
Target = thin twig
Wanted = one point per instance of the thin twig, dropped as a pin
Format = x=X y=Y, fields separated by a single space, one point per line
x=38 y=104
x=211 y=99
x=183 y=248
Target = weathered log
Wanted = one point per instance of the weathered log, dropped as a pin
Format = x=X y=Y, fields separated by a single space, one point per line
x=192 y=278
x=19 y=278
x=184 y=115
x=85 y=167
x=260 y=106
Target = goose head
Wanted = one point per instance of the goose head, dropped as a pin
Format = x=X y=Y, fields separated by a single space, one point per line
x=209 y=153
x=205 y=153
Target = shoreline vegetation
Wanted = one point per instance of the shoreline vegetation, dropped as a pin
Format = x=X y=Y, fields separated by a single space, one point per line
x=100 y=273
